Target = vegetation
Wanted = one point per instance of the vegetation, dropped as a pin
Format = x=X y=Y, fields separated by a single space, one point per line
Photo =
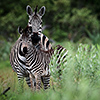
x=80 y=78
x=64 y=19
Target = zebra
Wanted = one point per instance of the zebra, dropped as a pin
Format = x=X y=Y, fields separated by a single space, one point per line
x=17 y=56
x=24 y=50
x=38 y=59
x=30 y=60
x=35 y=21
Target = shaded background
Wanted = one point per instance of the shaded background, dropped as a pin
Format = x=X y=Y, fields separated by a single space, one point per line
x=65 y=20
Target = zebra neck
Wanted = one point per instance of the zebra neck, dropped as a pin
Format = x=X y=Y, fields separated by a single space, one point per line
x=22 y=58
x=39 y=30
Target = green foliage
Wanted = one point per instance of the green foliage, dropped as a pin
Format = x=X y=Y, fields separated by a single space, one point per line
x=4 y=63
x=11 y=20
x=4 y=50
x=95 y=37
x=78 y=24
x=59 y=34
x=68 y=19
x=84 y=64
x=87 y=63
x=80 y=79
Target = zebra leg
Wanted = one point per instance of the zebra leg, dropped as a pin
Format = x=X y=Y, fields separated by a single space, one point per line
x=38 y=81
x=28 y=81
x=46 y=80
x=32 y=82
x=21 y=81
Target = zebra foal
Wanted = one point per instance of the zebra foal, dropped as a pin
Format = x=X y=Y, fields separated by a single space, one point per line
x=29 y=60
x=17 y=56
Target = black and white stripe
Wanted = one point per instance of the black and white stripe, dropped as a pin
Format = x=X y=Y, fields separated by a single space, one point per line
x=18 y=60
x=37 y=65
x=38 y=59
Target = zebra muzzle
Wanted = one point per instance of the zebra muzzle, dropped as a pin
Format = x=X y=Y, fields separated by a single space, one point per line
x=25 y=50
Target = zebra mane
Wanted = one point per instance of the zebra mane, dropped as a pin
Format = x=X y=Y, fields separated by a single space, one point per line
x=26 y=31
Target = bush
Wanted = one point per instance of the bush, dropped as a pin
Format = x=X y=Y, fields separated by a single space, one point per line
x=79 y=23
x=5 y=50
x=80 y=77
x=65 y=18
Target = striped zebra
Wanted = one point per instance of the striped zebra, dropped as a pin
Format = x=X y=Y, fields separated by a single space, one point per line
x=30 y=60
x=35 y=19
x=17 y=55
x=35 y=22
x=27 y=55
x=37 y=58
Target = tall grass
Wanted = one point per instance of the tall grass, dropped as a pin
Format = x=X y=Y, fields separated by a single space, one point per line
x=80 y=79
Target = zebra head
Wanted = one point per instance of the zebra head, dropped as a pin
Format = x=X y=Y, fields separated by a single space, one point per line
x=25 y=38
x=28 y=39
x=35 y=20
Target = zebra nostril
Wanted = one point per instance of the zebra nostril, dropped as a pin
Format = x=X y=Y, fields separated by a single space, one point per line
x=25 y=49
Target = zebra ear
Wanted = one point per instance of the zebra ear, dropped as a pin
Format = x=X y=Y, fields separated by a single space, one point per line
x=29 y=10
x=42 y=11
x=20 y=30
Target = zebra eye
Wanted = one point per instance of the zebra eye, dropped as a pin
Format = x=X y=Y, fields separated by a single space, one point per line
x=29 y=40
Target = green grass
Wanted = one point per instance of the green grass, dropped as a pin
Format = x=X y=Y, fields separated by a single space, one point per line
x=80 y=78
x=4 y=64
